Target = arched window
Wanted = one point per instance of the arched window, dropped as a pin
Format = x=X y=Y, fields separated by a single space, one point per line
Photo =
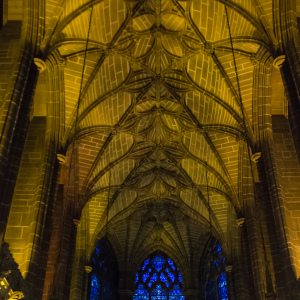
x=216 y=279
x=104 y=276
x=158 y=278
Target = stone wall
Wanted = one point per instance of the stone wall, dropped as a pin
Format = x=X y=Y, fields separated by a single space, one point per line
x=21 y=212
x=288 y=166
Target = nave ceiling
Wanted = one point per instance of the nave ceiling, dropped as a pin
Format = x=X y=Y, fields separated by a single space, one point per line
x=151 y=117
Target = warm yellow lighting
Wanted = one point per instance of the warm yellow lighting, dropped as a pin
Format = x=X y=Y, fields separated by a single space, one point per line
x=5 y=289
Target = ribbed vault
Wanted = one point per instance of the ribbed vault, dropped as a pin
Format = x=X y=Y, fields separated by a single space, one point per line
x=154 y=125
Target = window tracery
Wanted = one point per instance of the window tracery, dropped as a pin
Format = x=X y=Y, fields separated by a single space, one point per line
x=158 y=278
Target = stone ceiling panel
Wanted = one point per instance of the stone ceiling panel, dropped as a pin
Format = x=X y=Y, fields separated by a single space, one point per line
x=197 y=172
x=196 y=145
x=228 y=149
x=245 y=69
x=116 y=176
x=110 y=76
x=247 y=5
x=74 y=81
x=202 y=106
x=210 y=19
x=107 y=17
x=111 y=154
x=107 y=113
x=207 y=78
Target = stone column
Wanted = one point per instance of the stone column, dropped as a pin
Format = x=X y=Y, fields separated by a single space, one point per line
x=293 y=98
x=17 y=102
x=78 y=268
x=126 y=294
x=191 y=294
x=230 y=282
x=32 y=253
x=14 y=132
x=88 y=270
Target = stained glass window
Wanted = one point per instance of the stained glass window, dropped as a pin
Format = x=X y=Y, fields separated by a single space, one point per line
x=141 y=293
x=158 y=293
x=95 y=287
x=158 y=278
x=222 y=287
x=216 y=283
x=104 y=275
x=176 y=293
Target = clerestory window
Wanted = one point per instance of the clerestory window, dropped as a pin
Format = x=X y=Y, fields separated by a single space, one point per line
x=158 y=278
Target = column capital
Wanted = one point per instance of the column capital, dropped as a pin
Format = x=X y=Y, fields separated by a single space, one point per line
x=61 y=158
x=88 y=269
x=278 y=61
x=229 y=268
x=40 y=64
x=256 y=156
x=240 y=222
x=76 y=222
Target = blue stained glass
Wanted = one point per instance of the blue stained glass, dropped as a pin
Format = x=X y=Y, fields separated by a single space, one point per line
x=158 y=262
x=171 y=264
x=103 y=283
x=210 y=290
x=153 y=279
x=218 y=248
x=161 y=279
x=223 y=260
x=145 y=264
x=145 y=276
x=164 y=279
x=176 y=290
x=222 y=287
x=158 y=293
x=95 y=287
x=141 y=293
x=176 y=293
x=180 y=278
x=172 y=276
x=136 y=278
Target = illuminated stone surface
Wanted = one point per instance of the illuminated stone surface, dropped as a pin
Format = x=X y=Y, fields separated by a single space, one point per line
x=142 y=98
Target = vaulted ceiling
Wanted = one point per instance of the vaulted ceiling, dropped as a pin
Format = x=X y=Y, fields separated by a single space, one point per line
x=152 y=102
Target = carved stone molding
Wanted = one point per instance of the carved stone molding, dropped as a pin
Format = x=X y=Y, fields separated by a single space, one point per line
x=229 y=268
x=256 y=156
x=88 y=269
x=40 y=64
x=240 y=222
x=278 y=61
x=62 y=158
x=76 y=222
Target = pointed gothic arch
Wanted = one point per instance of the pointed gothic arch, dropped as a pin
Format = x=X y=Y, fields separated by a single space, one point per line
x=158 y=278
